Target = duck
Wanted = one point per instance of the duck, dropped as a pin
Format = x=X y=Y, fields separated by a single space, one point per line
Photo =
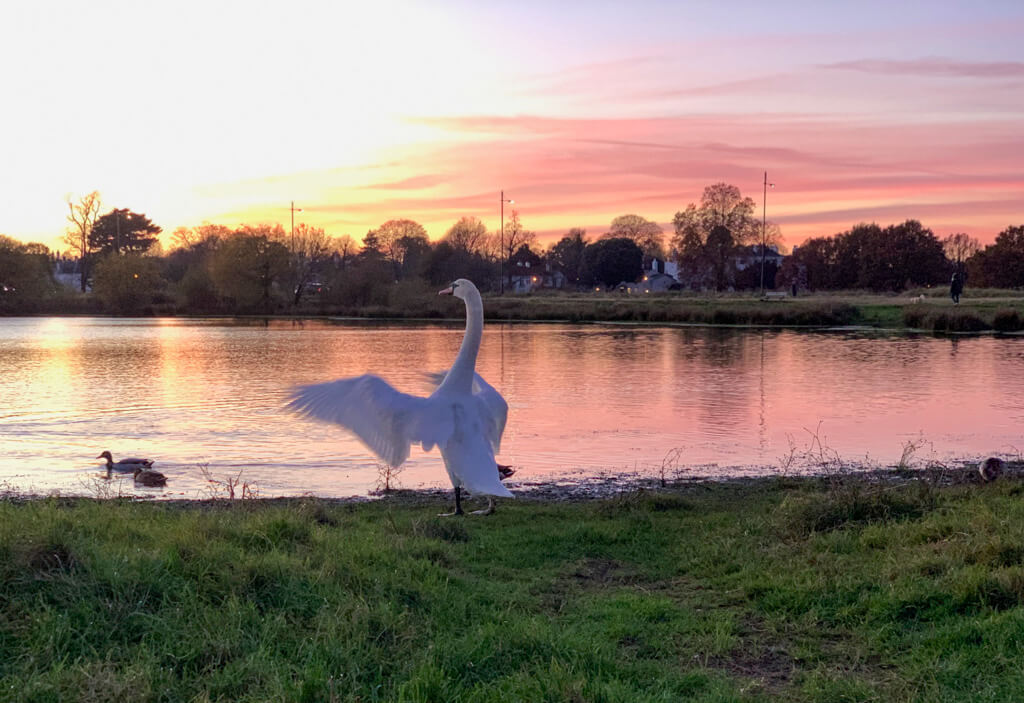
x=991 y=468
x=464 y=417
x=125 y=465
x=505 y=471
x=148 y=477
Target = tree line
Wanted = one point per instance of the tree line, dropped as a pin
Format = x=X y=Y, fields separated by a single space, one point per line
x=264 y=268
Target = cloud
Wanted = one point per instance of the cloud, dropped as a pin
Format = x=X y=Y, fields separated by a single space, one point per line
x=932 y=67
x=411 y=183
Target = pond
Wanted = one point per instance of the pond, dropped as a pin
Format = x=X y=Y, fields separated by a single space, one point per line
x=207 y=395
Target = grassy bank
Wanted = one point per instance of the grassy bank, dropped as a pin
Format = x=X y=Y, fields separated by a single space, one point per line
x=988 y=310
x=805 y=591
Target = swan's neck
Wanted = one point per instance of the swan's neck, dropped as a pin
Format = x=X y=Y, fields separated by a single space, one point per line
x=461 y=375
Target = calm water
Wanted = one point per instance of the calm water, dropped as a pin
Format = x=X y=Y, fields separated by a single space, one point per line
x=583 y=400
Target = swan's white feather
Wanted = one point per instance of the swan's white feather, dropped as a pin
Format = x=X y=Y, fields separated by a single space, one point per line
x=493 y=407
x=386 y=420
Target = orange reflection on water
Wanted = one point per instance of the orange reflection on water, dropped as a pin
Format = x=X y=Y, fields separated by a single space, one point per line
x=193 y=393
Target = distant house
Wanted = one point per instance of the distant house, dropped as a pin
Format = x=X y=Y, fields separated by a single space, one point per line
x=746 y=257
x=653 y=265
x=530 y=272
x=527 y=278
x=741 y=271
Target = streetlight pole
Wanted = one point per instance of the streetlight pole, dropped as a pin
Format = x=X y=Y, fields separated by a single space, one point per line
x=764 y=224
x=501 y=256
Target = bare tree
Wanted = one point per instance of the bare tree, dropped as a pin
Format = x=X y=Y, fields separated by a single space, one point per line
x=960 y=247
x=515 y=236
x=468 y=234
x=394 y=237
x=308 y=246
x=206 y=233
x=82 y=216
x=644 y=232
x=345 y=247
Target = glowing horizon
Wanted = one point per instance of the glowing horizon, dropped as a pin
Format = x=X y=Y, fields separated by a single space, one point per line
x=225 y=113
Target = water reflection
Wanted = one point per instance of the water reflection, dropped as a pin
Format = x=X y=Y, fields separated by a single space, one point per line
x=210 y=392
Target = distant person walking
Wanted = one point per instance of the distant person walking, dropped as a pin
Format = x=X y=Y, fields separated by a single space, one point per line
x=956 y=287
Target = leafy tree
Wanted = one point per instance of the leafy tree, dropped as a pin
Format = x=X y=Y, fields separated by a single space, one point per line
x=567 y=255
x=468 y=234
x=25 y=274
x=127 y=283
x=393 y=239
x=818 y=259
x=122 y=230
x=721 y=205
x=611 y=261
x=1000 y=264
x=247 y=265
x=707 y=235
x=82 y=217
x=644 y=232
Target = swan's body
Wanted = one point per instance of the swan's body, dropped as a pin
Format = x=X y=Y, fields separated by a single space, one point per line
x=464 y=417
x=148 y=477
x=125 y=465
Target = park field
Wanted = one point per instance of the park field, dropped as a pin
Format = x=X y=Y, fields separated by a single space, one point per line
x=844 y=588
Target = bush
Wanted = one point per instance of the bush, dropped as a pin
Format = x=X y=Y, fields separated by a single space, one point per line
x=1007 y=321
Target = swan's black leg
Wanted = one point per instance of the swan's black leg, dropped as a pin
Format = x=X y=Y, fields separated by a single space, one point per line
x=458 y=504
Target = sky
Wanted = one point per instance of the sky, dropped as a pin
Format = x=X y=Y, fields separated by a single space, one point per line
x=229 y=112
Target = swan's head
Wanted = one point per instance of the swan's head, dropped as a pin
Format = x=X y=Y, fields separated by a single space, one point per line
x=105 y=455
x=460 y=288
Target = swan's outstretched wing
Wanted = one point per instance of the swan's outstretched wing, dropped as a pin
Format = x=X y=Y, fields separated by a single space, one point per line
x=496 y=410
x=386 y=420
x=493 y=407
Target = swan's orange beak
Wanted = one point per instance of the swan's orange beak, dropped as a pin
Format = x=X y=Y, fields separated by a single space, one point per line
x=450 y=290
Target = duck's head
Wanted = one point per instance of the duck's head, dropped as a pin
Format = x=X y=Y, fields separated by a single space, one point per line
x=106 y=455
x=460 y=288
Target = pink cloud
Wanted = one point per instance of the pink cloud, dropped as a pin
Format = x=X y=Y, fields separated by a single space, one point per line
x=935 y=67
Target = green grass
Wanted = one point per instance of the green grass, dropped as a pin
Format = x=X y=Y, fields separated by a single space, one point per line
x=800 y=591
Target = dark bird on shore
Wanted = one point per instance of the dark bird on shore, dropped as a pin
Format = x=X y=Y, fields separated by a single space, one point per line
x=148 y=477
x=991 y=468
x=464 y=417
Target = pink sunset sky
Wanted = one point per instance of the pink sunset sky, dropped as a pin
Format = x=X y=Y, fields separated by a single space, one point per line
x=226 y=112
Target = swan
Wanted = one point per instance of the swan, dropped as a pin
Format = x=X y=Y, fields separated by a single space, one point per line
x=125 y=465
x=464 y=417
x=148 y=477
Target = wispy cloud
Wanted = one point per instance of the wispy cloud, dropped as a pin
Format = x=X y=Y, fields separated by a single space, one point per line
x=934 y=67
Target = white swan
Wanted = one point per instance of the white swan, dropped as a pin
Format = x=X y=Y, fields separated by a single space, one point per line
x=464 y=417
x=125 y=465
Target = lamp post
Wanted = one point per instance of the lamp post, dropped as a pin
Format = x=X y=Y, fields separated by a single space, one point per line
x=501 y=257
x=764 y=224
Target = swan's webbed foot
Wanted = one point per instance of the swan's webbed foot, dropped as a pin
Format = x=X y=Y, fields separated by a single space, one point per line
x=489 y=510
x=458 y=504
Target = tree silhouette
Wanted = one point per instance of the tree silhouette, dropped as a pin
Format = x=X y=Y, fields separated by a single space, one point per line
x=122 y=230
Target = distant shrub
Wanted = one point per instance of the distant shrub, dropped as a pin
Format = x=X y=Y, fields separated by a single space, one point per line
x=1007 y=321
